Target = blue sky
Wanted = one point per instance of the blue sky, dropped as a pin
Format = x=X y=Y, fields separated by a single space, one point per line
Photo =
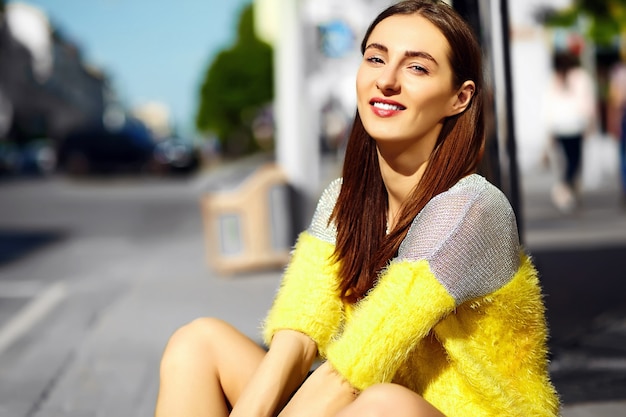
x=152 y=49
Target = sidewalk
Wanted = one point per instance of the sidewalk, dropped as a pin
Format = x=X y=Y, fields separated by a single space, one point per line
x=114 y=370
x=580 y=257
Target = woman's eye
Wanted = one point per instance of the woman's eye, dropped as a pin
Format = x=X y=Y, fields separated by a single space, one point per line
x=419 y=69
x=374 y=59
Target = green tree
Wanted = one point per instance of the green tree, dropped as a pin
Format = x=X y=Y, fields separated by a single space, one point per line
x=602 y=21
x=237 y=85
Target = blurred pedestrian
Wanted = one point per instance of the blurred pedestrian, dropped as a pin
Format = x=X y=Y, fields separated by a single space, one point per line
x=410 y=284
x=616 y=117
x=569 y=110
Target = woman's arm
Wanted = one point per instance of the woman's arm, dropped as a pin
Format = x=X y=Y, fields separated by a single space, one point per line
x=462 y=246
x=308 y=298
x=304 y=316
x=389 y=323
x=282 y=370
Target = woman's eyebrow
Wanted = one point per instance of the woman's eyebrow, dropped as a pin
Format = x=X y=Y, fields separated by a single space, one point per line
x=408 y=54
x=378 y=46
x=421 y=54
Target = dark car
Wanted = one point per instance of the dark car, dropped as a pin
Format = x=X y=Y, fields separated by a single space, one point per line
x=131 y=148
x=35 y=157
x=177 y=155
x=102 y=150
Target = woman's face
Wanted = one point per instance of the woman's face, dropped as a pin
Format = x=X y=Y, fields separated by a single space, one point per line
x=404 y=83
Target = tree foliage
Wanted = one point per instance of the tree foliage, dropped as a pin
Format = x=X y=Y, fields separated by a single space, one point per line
x=237 y=85
x=604 y=20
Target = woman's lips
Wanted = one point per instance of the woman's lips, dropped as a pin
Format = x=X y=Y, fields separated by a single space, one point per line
x=386 y=108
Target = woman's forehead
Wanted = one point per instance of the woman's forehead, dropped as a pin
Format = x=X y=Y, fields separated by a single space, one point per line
x=412 y=33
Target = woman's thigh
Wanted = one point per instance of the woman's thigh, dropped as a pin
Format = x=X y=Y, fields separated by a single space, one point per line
x=212 y=351
x=390 y=400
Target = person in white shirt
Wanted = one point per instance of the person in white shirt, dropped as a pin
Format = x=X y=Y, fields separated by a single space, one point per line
x=570 y=114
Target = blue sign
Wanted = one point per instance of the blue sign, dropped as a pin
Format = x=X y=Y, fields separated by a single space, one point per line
x=336 y=39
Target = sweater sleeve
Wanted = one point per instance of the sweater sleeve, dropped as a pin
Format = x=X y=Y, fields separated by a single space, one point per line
x=462 y=245
x=308 y=297
x=388 y=323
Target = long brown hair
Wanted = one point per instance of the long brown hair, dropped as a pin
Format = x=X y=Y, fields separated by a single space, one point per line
x=363 y=248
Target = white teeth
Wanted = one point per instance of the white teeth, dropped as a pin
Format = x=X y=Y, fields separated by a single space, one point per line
x=386 y=106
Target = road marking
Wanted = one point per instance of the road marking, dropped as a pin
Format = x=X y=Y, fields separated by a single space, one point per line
x=31 y=313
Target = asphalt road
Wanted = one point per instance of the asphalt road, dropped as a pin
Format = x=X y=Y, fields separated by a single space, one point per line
x=67 y=252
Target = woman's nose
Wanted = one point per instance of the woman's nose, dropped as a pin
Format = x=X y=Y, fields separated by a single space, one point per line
x=387 y=82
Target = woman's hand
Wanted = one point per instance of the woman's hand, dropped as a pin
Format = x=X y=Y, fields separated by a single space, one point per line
x=323 y=394
x=282 y=370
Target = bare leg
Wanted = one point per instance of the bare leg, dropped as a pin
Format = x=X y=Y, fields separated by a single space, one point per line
x=389 y=400
x=205 y=366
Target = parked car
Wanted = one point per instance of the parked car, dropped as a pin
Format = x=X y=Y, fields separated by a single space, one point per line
x=178 y=155
x=131 y=148
x=35 y=157
x=101 y=150
x=9 y=157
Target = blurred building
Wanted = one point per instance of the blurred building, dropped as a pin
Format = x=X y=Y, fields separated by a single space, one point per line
x=46 y=89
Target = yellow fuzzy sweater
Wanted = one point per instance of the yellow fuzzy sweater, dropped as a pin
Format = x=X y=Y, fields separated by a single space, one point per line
x=457 y=317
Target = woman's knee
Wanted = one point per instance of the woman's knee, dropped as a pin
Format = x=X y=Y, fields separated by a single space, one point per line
x=390 y=399
x=193 y=341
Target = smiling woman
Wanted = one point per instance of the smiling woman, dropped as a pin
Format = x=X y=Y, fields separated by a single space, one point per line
x=423 y=75
x=410 y=284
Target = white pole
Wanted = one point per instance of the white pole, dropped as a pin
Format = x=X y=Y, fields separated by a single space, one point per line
x=297 y=147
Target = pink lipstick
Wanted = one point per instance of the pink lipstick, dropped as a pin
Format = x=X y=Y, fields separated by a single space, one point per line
x=385 y=108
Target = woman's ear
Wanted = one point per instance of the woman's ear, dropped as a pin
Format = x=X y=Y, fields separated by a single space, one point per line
x=463 y=97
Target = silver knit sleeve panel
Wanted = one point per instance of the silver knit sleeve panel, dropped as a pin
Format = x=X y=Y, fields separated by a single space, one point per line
x=319 y=225
x=469 y=237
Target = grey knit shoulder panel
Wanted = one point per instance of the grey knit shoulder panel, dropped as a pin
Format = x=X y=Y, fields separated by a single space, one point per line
x=319 y=225
x=469 y=237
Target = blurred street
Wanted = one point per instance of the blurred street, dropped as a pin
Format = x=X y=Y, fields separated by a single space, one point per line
x=95 y=275
x=581 y=258
x=97 y=272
